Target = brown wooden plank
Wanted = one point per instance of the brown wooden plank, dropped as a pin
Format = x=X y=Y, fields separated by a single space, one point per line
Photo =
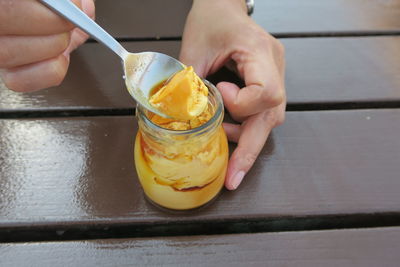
x=80 y=171
x=343 y=69
x=143 y=19
x=318 y=70
x=353 y=247
x=155 y=18
x=287 y=16
x=94 y=80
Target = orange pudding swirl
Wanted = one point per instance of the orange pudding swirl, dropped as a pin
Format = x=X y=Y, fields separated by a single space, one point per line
x=183 y=97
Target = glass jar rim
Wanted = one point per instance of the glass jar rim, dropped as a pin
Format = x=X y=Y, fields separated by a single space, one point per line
x=220 y=109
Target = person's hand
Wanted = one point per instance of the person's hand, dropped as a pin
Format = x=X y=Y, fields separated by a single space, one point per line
x=35 y=43
x=218 y=33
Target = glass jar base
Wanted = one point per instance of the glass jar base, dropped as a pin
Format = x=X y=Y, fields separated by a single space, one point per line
x=185 y=211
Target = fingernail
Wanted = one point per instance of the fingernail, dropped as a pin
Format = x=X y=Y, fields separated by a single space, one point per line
x=84 y=6
x=66 y=53
x=87 y=7
x=237 y=179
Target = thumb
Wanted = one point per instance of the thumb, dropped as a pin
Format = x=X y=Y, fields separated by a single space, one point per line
x=78 y=37
x=229 y=92
x=88 y=7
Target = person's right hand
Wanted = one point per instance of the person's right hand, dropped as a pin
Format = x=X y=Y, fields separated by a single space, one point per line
x=35 y=44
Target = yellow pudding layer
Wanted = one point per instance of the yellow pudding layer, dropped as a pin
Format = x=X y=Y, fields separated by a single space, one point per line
x=183 y=125
x=183 y=176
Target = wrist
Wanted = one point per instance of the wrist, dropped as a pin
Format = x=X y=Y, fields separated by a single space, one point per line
x=237 y=5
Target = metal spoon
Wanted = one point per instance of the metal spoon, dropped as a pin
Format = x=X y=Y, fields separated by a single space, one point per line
x=142 y=70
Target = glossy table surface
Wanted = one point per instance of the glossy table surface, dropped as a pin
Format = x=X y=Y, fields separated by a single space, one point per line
x=323 y=192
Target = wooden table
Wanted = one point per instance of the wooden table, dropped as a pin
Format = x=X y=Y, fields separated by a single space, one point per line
x=325 y=190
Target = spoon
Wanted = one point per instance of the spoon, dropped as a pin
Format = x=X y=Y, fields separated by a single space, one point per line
x=142 y=71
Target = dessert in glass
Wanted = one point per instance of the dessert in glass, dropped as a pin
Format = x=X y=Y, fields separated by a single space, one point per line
x=181 y=161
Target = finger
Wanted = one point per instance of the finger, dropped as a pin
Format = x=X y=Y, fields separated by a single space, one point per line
x=263 y=78
x=264 y=84
x=254 y=134
x=22 y=50
x=229 y=92
x=30 y=17
x=232 y=131
x=88 y=7
x=36 y=76
x=78 y=37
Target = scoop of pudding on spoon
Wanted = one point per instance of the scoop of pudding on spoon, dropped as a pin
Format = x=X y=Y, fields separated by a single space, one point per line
x=142 y=71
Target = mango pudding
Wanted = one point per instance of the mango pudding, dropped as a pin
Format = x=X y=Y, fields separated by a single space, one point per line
x=183 y=97
x=181 y=161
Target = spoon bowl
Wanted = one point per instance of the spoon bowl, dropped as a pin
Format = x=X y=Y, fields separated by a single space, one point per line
x=142 y=71
x=145 y=70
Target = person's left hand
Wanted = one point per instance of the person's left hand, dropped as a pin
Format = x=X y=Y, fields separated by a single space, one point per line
x=219 y=33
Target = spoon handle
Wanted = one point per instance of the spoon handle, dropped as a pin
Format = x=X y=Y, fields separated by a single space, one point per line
x=72 y=13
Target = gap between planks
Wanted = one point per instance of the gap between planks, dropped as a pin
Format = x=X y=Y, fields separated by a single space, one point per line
x=280 y=35
x=93 y=112
x=116 y=229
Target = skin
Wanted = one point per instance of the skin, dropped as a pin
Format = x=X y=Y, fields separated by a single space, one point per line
x=210 y=42
x=35 y=51
x=35 y=48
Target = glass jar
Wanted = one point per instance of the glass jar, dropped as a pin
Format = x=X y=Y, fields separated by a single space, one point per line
x=182 y=170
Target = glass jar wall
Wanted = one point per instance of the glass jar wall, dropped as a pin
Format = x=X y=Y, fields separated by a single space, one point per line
x=182 y=170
